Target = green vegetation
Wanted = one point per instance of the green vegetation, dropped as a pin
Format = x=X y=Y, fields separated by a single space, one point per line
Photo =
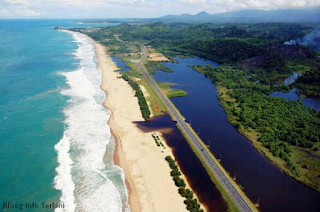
x=309 y=82
x=153 y=66
x=114 y=43
x=283 y=128
x=156 y=104
x=176 y=93
x=165 y=85
x=142 y=101
x=191 y=202
x=273 y=68
x=219 y=42
x=171 y=93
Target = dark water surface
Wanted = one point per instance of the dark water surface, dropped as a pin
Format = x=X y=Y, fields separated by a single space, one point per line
x=120 y=63
x=260 y=179
x=311 y=102
x=188 y=162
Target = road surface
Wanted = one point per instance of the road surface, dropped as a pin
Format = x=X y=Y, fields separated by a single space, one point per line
x=216 y=170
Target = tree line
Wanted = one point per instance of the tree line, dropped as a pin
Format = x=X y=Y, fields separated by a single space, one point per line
x=144 y=108
x=280 y=122
x=191 y=202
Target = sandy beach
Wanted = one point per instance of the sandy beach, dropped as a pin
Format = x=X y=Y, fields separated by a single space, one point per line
x=148 y=179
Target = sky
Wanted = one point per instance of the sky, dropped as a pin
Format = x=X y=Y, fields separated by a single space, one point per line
x=10 y=9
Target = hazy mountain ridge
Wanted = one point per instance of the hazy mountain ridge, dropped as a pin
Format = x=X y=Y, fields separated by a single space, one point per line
x=310 y=15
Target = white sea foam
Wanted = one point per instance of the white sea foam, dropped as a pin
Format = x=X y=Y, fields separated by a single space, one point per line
x=86 y=175
x=63 y=180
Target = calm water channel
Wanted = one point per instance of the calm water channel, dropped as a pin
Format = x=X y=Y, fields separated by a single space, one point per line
x=259 y=178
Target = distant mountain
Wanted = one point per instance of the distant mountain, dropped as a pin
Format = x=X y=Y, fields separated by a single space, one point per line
x=310 y=15
x=187 y=17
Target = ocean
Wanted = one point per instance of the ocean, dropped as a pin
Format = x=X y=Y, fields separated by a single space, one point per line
x=55 y=144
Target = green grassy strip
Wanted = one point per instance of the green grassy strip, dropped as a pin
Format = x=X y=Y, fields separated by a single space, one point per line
x=166 y=87
x=176 y=93
x=153 y=66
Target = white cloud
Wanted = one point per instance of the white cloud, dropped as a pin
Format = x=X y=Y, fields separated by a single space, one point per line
x=26 y=13
x=19 y=2
x=216 y=6
x=5 y=13
x=136 y=8
x=16 y=9
x=93 y=3
x=193 y=1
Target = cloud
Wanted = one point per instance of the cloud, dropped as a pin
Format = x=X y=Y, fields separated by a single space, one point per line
x=135 y=8
x=18 y=2
x=26 y=13
x=93 y=3
x=216 y=6
x=16 y=9
x=31 y=8
x=15 y=13
x=193 y=1
x=5 y=13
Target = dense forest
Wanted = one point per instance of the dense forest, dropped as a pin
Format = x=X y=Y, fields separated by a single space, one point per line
x=219 y=42
x=280 y=124
x=309 y=82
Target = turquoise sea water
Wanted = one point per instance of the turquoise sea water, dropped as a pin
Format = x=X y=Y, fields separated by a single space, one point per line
x=39 y=71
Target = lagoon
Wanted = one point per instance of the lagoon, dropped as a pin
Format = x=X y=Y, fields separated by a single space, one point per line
x=259 y=178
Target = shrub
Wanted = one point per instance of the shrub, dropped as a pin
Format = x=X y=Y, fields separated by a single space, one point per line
x=175 y=172
x=189 y=194
x=179 y=182
x=144 y=108
x=192 y=204
x=168 y=158
x=182 y=191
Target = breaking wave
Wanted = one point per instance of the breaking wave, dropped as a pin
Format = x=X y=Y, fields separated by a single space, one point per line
x=86 y=174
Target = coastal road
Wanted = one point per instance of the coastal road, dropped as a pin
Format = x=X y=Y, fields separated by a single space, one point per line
x=241 y=203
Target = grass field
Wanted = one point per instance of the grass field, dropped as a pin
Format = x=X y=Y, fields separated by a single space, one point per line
x=171 y=93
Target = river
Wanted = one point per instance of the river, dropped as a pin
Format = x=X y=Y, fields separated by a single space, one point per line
x=259 y=178
x=310 y=102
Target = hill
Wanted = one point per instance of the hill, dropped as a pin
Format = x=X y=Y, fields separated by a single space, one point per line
x=310 y=15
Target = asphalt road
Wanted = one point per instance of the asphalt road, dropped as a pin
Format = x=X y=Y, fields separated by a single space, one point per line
x=225 y=182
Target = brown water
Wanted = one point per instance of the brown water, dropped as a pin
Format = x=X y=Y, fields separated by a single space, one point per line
x=191 y=167
x=260 y=179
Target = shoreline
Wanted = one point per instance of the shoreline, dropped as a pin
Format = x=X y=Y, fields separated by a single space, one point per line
x=118 y=155
x=149 y=184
